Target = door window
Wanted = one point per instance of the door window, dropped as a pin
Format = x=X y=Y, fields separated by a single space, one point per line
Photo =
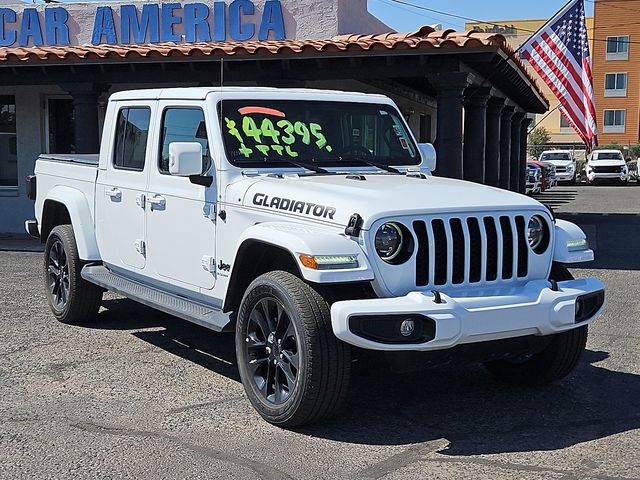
x=132 y=131
x=183 y=125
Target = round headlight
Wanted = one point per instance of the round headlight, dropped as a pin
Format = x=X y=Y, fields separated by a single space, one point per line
x=536 y=232
x=389 y=241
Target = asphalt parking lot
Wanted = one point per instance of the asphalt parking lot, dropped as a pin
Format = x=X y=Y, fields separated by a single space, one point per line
x=138 y=394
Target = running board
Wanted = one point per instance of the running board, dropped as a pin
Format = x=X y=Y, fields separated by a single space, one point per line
x=203 y=315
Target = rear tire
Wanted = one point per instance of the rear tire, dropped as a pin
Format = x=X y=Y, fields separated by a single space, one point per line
x=555 y=362
x=72 y=299
x=293 y=368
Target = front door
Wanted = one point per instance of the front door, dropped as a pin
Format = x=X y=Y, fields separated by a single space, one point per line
x=180 y=214
x=120 y=190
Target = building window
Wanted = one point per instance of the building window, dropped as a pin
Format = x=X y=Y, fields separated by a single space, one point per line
x=534 y=120
x=565 y=126
x=614 y=121
x=132 y=131
x=8 y=142
x=615 y=85
x=618 y=48
x=183 y=125
x=60 y=122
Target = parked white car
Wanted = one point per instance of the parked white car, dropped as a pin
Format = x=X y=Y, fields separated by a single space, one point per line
x=563 y=161
x=607 y=165
x=309 y=223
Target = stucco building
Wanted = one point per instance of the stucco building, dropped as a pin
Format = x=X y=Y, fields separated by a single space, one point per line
x=464 y=91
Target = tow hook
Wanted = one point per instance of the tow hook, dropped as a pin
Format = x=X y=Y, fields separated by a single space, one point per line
x=437 y=298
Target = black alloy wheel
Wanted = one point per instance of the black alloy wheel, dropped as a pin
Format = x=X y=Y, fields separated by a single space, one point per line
x=72 y=299
x=272 y=349
x=293 y=368
x=58 y=275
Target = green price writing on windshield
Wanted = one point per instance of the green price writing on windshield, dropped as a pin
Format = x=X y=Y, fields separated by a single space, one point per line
x=279 y=138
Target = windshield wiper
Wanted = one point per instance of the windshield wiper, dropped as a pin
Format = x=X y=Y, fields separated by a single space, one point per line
x=372 y=163
x=301 y=164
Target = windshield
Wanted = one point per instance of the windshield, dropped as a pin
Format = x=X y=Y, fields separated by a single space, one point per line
x=264 y=133
x=607 y=156
x=555 y=156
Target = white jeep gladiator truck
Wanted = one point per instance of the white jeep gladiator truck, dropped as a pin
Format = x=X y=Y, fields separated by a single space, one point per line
x=308 y=222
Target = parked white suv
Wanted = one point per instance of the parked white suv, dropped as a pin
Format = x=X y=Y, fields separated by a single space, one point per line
x=309 y=223
x=563 y=161
x=607 y=165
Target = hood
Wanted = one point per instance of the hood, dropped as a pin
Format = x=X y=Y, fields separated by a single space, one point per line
x=335 y=198
x=560 y=163
x=606 y=163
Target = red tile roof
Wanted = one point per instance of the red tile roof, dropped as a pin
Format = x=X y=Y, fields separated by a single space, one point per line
x=425 y=38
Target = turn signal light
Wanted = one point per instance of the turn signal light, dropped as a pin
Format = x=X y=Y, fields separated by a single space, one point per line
x=329 y=262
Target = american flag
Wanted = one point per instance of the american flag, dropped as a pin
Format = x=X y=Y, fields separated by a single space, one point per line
x=559 y=53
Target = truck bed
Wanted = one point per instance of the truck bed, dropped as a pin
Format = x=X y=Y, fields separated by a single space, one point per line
x=89 y=159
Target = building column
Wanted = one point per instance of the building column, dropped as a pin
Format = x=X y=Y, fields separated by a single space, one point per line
x=524 y=133
x=514 y=174
x=85 y=106
x=475 y=131
x=492 y=143
x=450 y=95
x=505 y=147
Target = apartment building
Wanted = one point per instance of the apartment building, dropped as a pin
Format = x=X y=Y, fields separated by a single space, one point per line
x=517 y=32
x=616 y=70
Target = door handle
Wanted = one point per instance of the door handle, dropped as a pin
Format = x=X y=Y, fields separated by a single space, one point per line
x=114 y=193
x=157 y=202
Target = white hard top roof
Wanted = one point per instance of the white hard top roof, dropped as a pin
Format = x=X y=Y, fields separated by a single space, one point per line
x=607 y=151
x=201 y=93
x=557 y=151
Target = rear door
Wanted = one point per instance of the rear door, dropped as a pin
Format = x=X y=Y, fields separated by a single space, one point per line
x=181 y=214
x=120 y=189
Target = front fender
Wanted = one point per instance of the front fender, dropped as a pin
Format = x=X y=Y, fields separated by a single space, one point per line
x=307 y=240
x=566 y=231
x=81 y=219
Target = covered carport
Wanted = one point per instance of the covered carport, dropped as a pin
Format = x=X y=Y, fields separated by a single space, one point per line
x=482 y=90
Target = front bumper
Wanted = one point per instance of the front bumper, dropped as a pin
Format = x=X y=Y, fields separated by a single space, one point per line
x=475 y=316
x=565 y=176
x=608 y=176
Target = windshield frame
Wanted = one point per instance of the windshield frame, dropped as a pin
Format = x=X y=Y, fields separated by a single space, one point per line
x=352 y=164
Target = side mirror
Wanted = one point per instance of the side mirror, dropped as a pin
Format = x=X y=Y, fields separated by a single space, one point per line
x=428 y=154
x=185 y=159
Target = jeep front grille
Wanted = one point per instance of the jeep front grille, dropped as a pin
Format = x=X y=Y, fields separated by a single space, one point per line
x=470 y=250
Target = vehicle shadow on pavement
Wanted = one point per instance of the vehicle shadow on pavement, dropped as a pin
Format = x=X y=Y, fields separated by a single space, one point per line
x=474 y=414
x=461 y=408
x=556 y=199
x=213 y=351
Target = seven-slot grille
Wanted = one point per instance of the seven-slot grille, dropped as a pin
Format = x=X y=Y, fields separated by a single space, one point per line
x=607 y=169
x=470 y=250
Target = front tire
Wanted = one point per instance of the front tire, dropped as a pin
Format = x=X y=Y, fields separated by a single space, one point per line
x=72 y=299
x=555 y=362
x=293 y=368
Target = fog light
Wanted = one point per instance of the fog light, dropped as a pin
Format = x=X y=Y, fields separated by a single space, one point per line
x=407 y=327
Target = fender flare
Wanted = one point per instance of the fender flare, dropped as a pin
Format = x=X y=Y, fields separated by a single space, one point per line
x=301 y=239
x=81 y=219
x=565 y=231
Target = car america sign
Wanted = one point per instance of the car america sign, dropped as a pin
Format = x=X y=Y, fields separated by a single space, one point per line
x=146 y=23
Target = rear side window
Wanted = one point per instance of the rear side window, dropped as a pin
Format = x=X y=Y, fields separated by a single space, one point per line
x=132 y=131
x=183 y=125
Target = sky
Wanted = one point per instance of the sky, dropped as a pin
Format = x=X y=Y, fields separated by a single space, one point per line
x=404 y=18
